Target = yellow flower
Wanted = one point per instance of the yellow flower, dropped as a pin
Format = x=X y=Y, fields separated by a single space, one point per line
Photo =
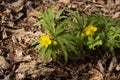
x=45 y=40
x=90 y=29
x=55 y=43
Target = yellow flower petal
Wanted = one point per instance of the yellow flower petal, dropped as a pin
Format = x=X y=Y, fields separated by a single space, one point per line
x=90 y=29
x=45 y=41
x=88 y=32
x=94 y=29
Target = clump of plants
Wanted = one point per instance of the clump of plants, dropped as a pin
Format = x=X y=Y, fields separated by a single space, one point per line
x=75 y=33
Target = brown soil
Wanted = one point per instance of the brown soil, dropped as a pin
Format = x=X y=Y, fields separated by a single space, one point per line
x=20 y=61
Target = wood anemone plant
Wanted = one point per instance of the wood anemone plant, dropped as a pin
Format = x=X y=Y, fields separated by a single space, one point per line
x=75 y=33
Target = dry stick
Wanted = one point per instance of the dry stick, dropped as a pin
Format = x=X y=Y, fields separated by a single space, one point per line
x=112 y=63
x=101 y=68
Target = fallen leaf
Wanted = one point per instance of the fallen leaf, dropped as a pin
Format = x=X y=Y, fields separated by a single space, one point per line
x=26 y=67
x=3 y=63
x=19 y=15
x=118 y=67
x=117 y=2
x=96 y=75
x=116 y=15
x=100 y=65
x=4 y=34
x=64 y=1
x=112 y=63
x=17 y=6
x=20 y=76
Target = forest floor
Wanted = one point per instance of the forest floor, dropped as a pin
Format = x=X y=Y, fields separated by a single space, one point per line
x=20 y=61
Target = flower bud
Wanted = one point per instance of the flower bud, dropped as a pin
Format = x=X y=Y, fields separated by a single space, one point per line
x=55 y=43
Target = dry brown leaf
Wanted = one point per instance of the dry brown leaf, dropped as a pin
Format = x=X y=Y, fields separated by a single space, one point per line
x=31 y=20
x=26 y=67
x=4 y=34
x=20 y=76
x=27 y=36
x=32 y=68
x=104 y=10
x=116 y=15
x=100 y=1
x=18 y=57
x=112 y=63
x=96 y=75
x=65 y=1
x=118 y=67
x=31 y=13
x=18 y=5
x=117 y=2
x=3 y=63
x=100 y=65
x=110 y=3
x=19 y=15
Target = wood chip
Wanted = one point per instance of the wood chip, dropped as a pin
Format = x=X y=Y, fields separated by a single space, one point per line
x=112 y=63
x=3 y=63
x=116 y=15
x=64 y=1
x=118 y=67
x=101 y=68
x=4 y=34
x=96 y=75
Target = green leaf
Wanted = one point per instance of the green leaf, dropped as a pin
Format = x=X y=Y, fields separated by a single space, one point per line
x=47 y=55
x=76 y=16
x=63 y=49
x=54 y=55
x=39 y=22
x=58 y=16
x=63 y=17
x=84 y=20
x=93 y=18
x=64 y=53
x=43 y=51
x=74 y=24
x=37 y=41
x=38 y=47
x=60 y=28
x=39 y=14
x=51 y=13
x=92 y=43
